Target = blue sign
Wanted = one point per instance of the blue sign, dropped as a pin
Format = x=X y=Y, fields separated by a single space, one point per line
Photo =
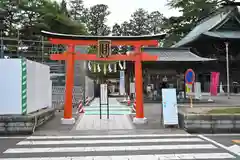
x=189 y=76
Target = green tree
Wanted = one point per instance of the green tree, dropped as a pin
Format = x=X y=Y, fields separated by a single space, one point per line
x=126 y=28
x=192 y=11
x=12 y=18
x=96 y=20
x=139 y=23
x=63 y=7
x=30 y=17
x=53 y=18
x=174 y=29
x=155 y=20
x=116 y=30
x=77 y=10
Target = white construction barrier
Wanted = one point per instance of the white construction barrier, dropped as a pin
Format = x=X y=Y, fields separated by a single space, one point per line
x=197 y=90
x=25 y=86
x=58 y=94
x=89 y=87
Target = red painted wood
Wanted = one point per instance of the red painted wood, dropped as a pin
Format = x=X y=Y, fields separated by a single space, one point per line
x=58 y=57
x=93 y=57
x=148 y=57
x=95 y=42
x=69 y=83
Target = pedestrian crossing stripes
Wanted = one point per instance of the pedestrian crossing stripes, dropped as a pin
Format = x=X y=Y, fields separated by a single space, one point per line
x=109 y=141
x=116 y=147
x=109 y=136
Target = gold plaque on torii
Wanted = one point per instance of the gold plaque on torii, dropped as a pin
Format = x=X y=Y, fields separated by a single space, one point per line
x=104 y=48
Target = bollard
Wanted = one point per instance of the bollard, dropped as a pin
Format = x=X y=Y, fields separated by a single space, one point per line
x=191 y=103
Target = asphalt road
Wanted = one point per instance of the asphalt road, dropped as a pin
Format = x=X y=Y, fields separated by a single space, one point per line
x=8 y=142
x=133 y=146
x=226 y=139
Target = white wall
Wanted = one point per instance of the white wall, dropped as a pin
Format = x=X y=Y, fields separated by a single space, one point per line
x=39 y=86
x=10 y=86
x=31 y=82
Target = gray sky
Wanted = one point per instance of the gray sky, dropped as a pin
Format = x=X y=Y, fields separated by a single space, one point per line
x=121 y=10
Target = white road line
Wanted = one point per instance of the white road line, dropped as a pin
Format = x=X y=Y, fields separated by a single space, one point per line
x=13 y=137
x=109 y=136
x=219 y=135
x=191 y=156
x=110 y=141
x=235 y=148
x=109 y=148
x=216 y=143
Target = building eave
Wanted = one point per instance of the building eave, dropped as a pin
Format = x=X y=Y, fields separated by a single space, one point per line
x=227 y=35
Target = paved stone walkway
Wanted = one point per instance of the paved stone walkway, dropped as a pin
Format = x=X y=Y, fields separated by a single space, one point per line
x=93 y=122
x=118 y=119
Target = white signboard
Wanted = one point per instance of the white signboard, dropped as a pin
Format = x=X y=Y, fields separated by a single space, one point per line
x=197 y=90
x=104 y=94
x=132 y=87
x=122 y=83
x=169 y=107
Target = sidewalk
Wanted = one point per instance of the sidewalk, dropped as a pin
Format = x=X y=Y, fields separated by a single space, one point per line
x=55 y=124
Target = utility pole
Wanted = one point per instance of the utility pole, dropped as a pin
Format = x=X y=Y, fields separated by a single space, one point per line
x=227 y=68
x=42 y=50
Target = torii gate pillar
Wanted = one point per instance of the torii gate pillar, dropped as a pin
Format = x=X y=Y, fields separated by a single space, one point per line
x=68 y=119
x=139 y=119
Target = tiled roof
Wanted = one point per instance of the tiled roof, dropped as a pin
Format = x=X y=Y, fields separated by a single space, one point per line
x=175 y=54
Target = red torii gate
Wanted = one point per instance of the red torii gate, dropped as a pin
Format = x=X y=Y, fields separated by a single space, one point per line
x=70 y=56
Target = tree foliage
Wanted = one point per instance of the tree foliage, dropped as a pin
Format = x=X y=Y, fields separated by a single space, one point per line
x=116 y=30
x=140 y=23
x=30 y=17
x=77 y=10
x=96 y=20
x=192 y=12
x=155 y=20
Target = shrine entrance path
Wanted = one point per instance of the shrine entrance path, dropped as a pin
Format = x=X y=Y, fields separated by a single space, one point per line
x=118 y=118
x=115 y=108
